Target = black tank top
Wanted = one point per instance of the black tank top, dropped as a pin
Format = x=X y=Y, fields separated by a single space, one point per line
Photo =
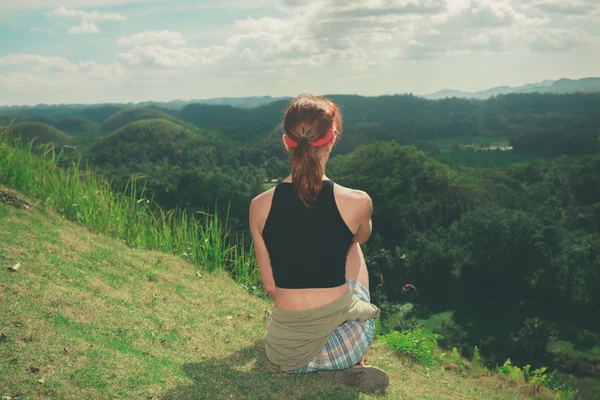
x=307 y=246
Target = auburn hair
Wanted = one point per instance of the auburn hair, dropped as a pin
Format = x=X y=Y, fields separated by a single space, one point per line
x=307 y=119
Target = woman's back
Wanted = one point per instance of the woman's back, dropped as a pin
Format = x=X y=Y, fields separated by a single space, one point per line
x=307 y=246
x=308 y=249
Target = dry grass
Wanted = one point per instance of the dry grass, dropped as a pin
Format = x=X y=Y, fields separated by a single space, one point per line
x=88 y=317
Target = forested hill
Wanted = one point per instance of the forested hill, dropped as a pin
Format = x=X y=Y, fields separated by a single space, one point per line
x=571 y=121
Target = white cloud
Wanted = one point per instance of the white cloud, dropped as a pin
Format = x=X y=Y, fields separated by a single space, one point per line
x=48 y=32
x=556 y=40
x=48 y=76
x=63 y=11
x=9 y=6
x=88 y=19
x=85 y=27
x=39 y=63
x=160 y=56
x=359 y=34
x=151 y=38
x=321 y=41
x=163 y=49
x=565 y=7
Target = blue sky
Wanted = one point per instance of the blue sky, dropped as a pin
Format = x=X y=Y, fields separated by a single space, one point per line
x=90 y=51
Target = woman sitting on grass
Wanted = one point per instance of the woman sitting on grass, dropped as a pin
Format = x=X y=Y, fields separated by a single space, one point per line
x=306 y=233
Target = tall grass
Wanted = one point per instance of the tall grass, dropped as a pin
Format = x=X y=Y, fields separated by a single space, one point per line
x=85 y=197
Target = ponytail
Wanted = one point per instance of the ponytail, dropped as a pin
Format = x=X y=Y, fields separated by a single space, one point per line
x=307 y=173
x=307 y=120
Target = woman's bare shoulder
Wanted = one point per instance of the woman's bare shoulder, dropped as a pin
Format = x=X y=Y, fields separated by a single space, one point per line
x=263 y=200
x=351 y=194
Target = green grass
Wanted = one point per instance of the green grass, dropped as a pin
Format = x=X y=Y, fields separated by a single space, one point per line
x=435 y=321
x=83 y=197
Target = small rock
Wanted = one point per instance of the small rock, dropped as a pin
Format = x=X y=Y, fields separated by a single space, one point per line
x=14 y=201
x=15 y=267
x=33 y=370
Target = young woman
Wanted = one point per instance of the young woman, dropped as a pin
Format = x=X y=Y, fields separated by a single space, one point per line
x=306 y=234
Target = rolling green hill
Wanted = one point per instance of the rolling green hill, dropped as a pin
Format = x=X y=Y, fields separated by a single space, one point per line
x=43 y=132
x=147 y=140
x=124 y=117
x=87 y=317
x=234 y=123
x=77 y=126
x=178 y=163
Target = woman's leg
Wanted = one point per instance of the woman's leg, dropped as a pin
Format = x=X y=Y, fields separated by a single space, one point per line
x=356 y=271
x=353 y=338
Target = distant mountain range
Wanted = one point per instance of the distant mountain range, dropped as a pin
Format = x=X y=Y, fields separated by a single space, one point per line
x=239 y=102
x=560 y=86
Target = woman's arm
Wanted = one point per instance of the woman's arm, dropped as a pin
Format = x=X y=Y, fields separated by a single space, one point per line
x=364 y=206
x=260 y=250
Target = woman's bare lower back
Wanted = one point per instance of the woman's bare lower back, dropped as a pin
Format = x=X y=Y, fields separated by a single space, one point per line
x=304 y=299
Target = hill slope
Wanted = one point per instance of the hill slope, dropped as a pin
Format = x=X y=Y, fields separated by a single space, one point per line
x=77 y=125
x=43 y=132
x=87 y=317
x=124 y=117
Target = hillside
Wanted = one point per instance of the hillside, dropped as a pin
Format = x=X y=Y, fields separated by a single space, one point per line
x=77 y=126
x=178 y=163
x=235 y=123
x=86 y=316
x=43 y=132
x=124 y=117
x=150 y=140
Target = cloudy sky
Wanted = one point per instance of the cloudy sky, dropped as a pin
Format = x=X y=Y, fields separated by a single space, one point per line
x=90 y=51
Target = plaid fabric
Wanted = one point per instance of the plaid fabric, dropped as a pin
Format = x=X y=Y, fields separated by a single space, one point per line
x=347 y=344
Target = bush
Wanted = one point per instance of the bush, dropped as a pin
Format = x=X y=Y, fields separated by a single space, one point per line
x=417 y=345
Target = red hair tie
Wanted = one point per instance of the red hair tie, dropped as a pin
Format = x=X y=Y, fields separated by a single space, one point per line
x=291 y=143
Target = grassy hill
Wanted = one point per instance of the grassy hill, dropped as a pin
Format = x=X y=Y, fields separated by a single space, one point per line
x=43 y=132
x=152 y=141
x=124 y=117
x=77 y=126
x=87 y=316
x=132 y=301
